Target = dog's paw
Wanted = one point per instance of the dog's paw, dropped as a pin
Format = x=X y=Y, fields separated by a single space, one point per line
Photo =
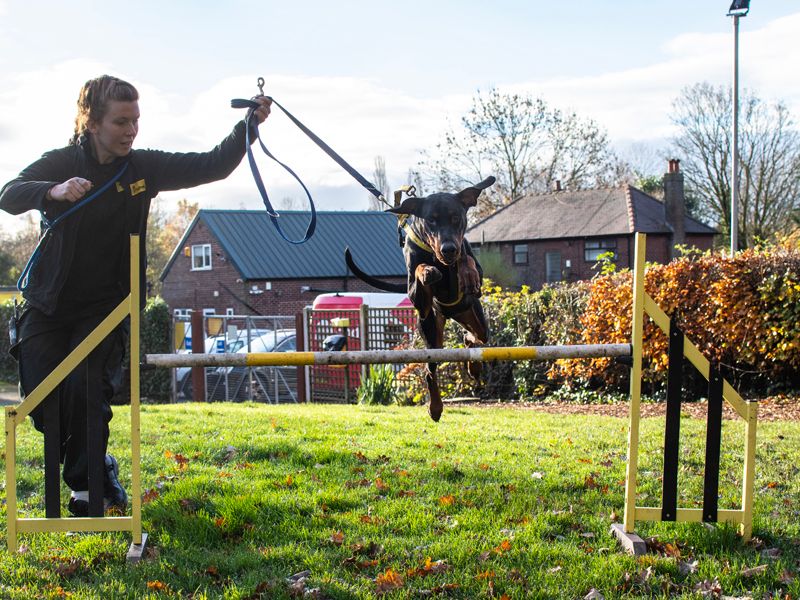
x=435 y=409
x=428 y=275
x=469 y=280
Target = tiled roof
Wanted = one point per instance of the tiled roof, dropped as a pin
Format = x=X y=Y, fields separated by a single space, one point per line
x=583 y=213
x=258 y=252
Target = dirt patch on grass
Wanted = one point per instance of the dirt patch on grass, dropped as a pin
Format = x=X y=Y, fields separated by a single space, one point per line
x=778 y=408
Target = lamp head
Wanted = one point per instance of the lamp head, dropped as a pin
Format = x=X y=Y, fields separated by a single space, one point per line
x=739 y=8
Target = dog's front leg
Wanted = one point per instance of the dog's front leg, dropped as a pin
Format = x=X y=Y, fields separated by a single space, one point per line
x=469 y=278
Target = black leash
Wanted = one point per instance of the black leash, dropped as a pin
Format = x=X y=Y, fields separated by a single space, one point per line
x=48 y=225
x=252 y=105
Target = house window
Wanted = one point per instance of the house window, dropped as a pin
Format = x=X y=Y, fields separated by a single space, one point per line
x=182 y=312
x=552 y=261
x=201 y=257
x=229 y=312
x=520 y=254
x=594 y=248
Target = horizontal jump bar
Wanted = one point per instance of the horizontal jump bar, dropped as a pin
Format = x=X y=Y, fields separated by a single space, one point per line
x=361 y=357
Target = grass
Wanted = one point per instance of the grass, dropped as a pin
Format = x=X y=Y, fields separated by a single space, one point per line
x=380 y=501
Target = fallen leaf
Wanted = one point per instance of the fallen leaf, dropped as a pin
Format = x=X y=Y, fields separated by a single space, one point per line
x=150 y=495
x=687 y=567
x=157 y=585
x=337 y=537
x=594 y=595
x=388 y=580
x=381 y=485
x=446 y=500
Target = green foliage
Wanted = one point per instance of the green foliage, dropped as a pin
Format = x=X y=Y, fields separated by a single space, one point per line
x=155 y=324
x=8 y=366
x=378 y=386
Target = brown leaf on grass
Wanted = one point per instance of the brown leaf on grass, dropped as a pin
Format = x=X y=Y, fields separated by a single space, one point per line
x=429 y=567
x=69 y=567
x=372 y=549
x=447 y=500
x=484 y=556
x=220 y=522
x=212 y=572
x=487 y=574
x=157 y=585
x=406 y=493
x=401 y=472
x=149 y=495
x=360 y=483
x=224 y=474
x=388 y=580
x=180 y=459
x=370 y=520
x=687 y=567
x=243 y=465
x=381 y=485
x=787 y=577
x=502 y=548
x=361 y=457
x=337 y=538
x=483 y=467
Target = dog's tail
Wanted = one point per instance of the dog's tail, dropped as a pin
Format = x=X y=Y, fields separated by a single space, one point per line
x=376 y=283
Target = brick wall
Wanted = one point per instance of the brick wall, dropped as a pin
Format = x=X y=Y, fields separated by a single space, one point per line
x=206 y=289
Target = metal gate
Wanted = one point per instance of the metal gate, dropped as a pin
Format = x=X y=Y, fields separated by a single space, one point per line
x=238 y=333
x=368 y=329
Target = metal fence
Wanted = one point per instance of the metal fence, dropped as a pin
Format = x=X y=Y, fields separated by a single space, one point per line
x=238 y=333
x=368 y=329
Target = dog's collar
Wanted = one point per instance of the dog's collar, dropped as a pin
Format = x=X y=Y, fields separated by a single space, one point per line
x=458 y=299
x=412 y=235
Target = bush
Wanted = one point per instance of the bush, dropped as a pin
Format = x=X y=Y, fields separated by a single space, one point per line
x=156 y=384
x=378 y=386
x=742 y=313
x=8 y=366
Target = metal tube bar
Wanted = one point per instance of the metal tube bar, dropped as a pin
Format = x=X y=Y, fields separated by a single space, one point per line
x=357 y=357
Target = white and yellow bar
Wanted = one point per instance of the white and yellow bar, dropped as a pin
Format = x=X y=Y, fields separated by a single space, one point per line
x=360 y=357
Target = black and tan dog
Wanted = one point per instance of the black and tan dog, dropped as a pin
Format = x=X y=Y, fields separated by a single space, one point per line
x=444 y=279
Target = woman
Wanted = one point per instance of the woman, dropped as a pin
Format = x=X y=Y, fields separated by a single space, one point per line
x=82 y=268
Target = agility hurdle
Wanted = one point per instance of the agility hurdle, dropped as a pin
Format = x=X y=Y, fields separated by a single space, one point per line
x=719 y=389
x=15 y=415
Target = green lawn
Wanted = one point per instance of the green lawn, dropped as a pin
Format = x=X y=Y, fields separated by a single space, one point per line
x=488 y=503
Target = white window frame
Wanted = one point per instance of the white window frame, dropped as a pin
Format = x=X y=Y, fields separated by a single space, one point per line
x=182 y=312
x=594 y=248
x=203 y=252
x=519 y=251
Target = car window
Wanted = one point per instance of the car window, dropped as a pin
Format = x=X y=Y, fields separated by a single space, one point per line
x=287 y=345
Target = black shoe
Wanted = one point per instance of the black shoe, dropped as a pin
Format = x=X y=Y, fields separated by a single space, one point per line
x=113 y=493
x=78 y=508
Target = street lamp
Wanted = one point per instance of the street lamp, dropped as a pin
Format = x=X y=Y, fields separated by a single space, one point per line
x=739 y=8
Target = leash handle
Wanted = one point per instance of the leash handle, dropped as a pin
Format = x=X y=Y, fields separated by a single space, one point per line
x=22 y=282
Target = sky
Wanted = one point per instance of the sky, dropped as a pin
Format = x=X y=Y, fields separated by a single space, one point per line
x=371 y=78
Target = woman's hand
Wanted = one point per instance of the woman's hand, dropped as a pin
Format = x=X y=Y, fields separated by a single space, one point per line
x=262 y=112
x=71 y=190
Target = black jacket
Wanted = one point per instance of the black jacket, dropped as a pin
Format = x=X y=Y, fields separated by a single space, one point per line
x=149 y=172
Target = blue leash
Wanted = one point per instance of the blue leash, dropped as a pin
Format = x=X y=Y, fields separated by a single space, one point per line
x=22 y=282
x=252 y=105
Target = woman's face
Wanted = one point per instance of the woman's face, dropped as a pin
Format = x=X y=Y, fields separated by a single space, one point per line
x=113 y=136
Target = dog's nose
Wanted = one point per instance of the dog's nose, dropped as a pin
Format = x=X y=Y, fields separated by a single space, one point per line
x=449 y=251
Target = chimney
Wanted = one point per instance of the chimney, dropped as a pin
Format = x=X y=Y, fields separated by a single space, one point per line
x=675 y=203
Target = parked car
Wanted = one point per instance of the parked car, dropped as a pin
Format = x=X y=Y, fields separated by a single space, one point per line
x=215 y=344
x=256 y=383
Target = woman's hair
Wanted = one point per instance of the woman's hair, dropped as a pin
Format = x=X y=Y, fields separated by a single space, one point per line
x=94 y=98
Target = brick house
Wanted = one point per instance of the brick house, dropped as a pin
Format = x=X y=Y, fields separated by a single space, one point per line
x=234 y=262
x=558 y=236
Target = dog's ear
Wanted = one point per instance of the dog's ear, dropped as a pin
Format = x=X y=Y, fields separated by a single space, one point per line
x=469 y=196
x=409 y=206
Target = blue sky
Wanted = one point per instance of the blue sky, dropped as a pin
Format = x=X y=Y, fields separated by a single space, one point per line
x=372 y=78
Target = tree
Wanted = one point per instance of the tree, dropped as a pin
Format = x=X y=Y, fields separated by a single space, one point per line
x=164 y=231
x=524 y=143
x=17 y=248
x=380 y=181
x=769 y=146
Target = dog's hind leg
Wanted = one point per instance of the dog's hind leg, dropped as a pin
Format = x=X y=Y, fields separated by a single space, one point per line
x=474 y=321
x=432 y=330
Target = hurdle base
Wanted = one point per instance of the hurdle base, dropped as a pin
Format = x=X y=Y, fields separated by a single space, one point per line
x=136 y=551
x=630 y=542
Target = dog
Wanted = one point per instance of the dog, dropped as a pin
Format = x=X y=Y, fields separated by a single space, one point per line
x=444 y=278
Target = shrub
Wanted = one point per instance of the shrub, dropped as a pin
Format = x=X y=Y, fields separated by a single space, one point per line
x=155 y=335
x=8 y=366
x=378 y=386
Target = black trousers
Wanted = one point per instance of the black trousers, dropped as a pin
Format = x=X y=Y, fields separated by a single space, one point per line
x=44 y=342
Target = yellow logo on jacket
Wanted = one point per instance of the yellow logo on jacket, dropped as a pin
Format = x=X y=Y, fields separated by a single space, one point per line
x=137 y=187
x=119 y=187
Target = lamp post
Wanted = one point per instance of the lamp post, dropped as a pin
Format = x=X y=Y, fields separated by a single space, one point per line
x=739 y=8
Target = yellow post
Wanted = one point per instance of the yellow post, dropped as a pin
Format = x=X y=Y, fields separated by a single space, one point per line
x=11 y=479
x=748 y=479
x=135 y=295
x=637 y=334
